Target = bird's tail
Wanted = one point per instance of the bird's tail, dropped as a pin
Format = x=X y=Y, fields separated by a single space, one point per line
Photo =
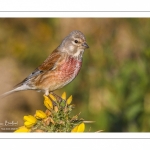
x=7 y=93
x=20 y=88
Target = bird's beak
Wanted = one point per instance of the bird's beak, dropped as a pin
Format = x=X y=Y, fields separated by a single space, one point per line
x=85 y=45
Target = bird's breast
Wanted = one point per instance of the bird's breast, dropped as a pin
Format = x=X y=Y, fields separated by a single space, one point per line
x=70 y=68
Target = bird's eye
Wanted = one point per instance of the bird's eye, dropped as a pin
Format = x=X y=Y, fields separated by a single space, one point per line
x=76 y=41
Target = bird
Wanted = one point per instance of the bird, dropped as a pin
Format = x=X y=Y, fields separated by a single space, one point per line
x=59 y=69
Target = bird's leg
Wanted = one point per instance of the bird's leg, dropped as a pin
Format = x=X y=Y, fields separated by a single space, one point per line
x=47 y=92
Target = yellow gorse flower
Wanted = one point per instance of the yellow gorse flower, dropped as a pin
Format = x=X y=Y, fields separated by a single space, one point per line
x=40 y=114
x=29 y=121
x=63 y=96
x=23 y=129
x=52 y=97
x=69 y=100
x=79 y=128
x=48 y=103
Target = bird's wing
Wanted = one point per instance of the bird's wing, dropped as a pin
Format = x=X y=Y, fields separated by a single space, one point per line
x=49 y=64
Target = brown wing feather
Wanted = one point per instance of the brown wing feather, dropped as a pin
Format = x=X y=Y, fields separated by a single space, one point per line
x=51 y=61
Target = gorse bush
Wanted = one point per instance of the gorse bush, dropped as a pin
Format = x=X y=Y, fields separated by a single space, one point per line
x=56 y=118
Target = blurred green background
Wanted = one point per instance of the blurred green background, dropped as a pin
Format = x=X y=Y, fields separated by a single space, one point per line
x=113 y=86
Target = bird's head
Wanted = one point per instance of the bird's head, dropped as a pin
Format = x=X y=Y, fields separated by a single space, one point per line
x=74 y=44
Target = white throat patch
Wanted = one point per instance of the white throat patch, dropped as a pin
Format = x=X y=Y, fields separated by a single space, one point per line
x=79 y=53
